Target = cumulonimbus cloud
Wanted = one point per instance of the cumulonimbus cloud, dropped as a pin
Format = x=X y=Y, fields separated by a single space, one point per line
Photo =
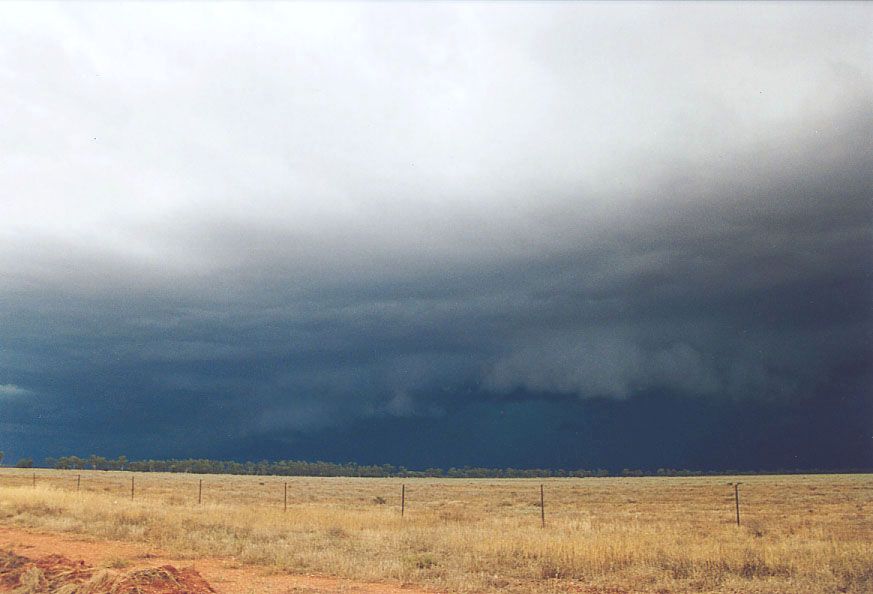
x=396 y=209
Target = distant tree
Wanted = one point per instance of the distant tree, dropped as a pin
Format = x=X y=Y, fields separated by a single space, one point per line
x=98 y=462
x=24 y=463
x=1 y=457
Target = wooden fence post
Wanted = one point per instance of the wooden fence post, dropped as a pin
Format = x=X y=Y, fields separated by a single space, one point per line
x=736 y=487
x=78 y=482
x=737 y=501
x=131 y=488
x=286 y=497
x=402 y=500
x=542 y=507
x=200 y=492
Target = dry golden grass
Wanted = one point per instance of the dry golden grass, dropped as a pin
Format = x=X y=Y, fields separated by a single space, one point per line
x=800 y=534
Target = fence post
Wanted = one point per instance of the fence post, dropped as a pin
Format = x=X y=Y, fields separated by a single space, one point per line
x=131 y=488
x=542 y=507
x=286 y=497
x=78 y=482
x=402 y=500
x=34 y=480
x=737 y=501
x=200 y=492
x=736 y=487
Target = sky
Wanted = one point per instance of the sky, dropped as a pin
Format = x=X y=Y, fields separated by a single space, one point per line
x=572 y=235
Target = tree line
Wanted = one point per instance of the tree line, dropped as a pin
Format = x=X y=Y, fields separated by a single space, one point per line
x=302 y=468
x=352 y=469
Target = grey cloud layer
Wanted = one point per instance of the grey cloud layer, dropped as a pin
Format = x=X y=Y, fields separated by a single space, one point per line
x=290 y=216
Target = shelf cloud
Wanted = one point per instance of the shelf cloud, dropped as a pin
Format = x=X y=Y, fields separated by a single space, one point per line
x=272 y=224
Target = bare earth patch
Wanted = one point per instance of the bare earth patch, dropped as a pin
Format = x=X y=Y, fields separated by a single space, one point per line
x=56 y=574
x=32 y=563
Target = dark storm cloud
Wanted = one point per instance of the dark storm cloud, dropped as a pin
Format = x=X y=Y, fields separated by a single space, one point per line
x=241 y=233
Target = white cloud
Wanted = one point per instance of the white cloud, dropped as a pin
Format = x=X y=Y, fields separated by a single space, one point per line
x=146 y=132
x=12 y=390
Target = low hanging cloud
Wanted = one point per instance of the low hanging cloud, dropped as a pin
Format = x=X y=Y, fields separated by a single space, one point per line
x=598 y=364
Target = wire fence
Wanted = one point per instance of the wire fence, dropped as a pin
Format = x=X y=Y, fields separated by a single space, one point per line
x=551 y=501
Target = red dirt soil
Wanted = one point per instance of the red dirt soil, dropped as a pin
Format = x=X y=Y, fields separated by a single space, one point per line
x=148 y=571
x=54 y=572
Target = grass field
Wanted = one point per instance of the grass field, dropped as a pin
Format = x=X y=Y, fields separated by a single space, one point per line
x=798 y=534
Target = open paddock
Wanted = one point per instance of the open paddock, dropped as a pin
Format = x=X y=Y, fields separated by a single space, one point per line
x=800 y=533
